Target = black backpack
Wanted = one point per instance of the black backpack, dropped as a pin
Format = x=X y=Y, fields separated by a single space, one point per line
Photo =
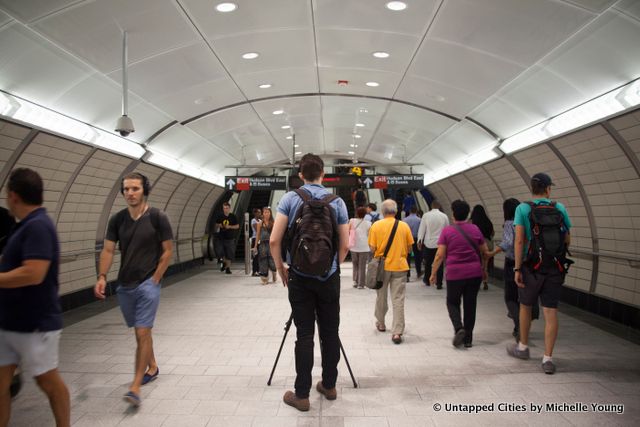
x=547 y=248
x=312 y=240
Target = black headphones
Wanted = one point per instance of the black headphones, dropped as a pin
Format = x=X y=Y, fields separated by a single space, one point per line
x=137 y=175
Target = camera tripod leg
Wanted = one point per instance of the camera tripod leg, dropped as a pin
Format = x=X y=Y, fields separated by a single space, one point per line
x=287 y=326
x=355 y=384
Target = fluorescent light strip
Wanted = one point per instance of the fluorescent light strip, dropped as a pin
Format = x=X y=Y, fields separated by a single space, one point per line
x=168 y=162
x=28 y=112
x=603 y=106
x=461 y=165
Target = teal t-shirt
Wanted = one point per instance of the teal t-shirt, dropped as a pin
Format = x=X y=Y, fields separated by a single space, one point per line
x=523 y=210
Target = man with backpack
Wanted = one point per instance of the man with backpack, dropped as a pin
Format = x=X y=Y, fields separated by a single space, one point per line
x=312 y=228
x=372 y=216
x=541 y=242
x=146 y=246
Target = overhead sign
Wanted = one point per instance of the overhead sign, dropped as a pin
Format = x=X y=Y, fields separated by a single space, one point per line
x=329 y=180
x=245 y=183
x=392 y=181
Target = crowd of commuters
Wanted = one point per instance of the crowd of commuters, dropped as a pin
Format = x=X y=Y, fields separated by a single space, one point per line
x=30 y=312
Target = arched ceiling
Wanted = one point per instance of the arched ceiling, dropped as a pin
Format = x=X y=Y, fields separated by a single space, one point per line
x=460 y=76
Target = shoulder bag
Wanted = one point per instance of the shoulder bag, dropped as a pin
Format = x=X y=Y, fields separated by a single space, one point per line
x=375 y=267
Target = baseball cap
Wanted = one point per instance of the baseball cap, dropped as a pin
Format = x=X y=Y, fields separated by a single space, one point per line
x=542 y=178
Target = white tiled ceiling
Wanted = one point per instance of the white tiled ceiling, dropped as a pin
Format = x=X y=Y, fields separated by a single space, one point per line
x=506 y=64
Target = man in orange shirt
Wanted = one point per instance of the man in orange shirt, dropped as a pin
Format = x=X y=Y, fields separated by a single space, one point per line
x=395 y=267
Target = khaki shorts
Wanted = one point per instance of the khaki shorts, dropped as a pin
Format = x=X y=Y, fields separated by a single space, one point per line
x=35 y=352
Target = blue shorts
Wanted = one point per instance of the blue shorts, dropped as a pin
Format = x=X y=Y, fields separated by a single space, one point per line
x=140 y=304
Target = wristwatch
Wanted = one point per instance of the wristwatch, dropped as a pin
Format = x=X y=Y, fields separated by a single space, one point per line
x=516 y=269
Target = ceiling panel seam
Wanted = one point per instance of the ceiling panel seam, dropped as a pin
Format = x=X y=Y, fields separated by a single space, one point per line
x=538 y=63
x=624 y=145
x=406 y=70
x=210 y=46
x=70 y=181
x=17 y=153
x=595 y=246
x=494 y=181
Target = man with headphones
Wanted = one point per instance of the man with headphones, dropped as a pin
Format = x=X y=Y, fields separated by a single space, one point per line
x=146 y=245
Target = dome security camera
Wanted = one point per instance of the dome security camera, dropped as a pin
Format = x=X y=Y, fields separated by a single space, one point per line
x=125 y=126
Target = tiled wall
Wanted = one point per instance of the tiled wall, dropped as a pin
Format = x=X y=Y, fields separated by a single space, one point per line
x=82 y=190
x=604 y=165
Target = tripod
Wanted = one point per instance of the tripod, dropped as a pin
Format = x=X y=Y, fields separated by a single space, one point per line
x=287 y=326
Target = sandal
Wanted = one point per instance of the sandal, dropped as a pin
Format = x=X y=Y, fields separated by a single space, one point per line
x=380 y=327
x=397 y=339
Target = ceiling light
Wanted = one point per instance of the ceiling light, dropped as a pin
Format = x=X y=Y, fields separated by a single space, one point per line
x=226 y=7
x=360 y=125
x=265 y=86
x=396 y=6
x=298 y=153
x=356 y=136
x=351 y=152
x=250 y=55
x=381 y=54
x=363 y=110
x=296 y=145
x=373 y=84
x=610 y=103
x=353 y=145
x=277 y=112
x=289 y=137
x=285 y=127
x=44 y=118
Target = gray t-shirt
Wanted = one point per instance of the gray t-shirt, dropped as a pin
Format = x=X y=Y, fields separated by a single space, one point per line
x=140 y=243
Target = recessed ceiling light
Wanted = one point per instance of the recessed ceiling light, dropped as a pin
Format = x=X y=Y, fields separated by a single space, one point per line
x=250 y=55
x=226 y=7
x=356 y=136
x=298 y=153
x=396 y=6
x=296 y=145
x=360 y=125
x=364 y=110
x=351 y=152
x=265 y=86
x=381 y=54
x=277 y=112
x=289 y=137
x=285 y=127
x=373 y=84
x=353 y=145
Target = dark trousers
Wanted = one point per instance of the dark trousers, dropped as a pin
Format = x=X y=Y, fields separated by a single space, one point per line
x=429 y=256
x=311 y=299
x=254 y=260
x=417 y=259
x=467 y=289
x=511 y=293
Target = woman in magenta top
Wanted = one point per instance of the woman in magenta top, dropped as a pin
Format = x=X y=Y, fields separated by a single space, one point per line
x=465 y=251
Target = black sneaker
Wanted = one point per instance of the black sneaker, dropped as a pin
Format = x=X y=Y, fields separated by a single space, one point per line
x=228 y=271
x=222 y=267
x=458 y=338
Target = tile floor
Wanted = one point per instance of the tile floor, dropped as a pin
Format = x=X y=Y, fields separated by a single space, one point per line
x=216 y=337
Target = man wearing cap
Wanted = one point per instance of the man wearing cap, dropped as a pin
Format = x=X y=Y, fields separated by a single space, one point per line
x=545 y=283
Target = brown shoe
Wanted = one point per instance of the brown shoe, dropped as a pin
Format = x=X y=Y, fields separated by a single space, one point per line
x=380 y=327
x=291 y=399
x=329 y=393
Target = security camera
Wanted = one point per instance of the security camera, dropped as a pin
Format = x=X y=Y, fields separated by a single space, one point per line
x=124 y=126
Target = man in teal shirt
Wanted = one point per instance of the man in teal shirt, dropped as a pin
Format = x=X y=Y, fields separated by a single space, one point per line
x=545 y=284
